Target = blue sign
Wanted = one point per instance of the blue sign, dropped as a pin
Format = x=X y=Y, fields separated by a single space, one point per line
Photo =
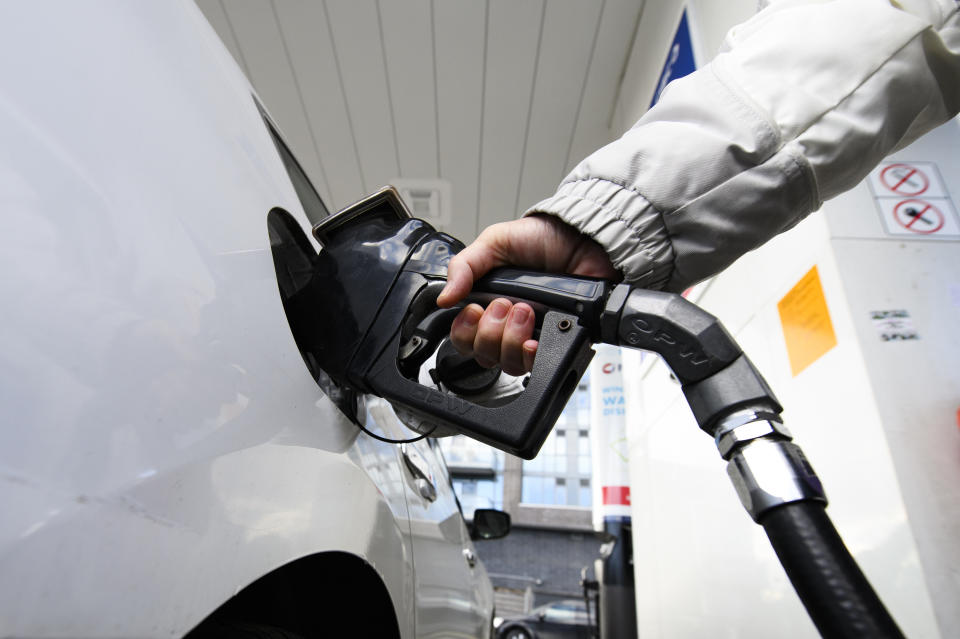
x=680 y=60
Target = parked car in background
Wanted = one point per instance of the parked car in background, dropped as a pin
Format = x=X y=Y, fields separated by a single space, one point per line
x=564 y=619
x=167 y=462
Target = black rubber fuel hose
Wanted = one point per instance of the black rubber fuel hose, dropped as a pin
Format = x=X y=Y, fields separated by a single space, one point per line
x=837 y=595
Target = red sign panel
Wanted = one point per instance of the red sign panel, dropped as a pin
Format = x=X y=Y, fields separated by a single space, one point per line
x=616 y=495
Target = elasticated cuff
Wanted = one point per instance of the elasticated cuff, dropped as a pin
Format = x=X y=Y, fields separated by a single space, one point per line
x=623 y=222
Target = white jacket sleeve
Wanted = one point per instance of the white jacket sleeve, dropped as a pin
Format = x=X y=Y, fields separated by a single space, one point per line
x=802 y=102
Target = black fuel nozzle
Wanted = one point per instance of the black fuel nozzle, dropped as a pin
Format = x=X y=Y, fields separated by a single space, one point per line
x=379 y=274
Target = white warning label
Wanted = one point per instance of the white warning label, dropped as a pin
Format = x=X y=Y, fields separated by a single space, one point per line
x=894 y=325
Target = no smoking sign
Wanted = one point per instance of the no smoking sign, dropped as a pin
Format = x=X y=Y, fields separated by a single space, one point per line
x=904 y=179
x=907 y=179
x=913 y=201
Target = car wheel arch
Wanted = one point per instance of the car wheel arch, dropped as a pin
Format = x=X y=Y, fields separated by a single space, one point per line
x=310 y=596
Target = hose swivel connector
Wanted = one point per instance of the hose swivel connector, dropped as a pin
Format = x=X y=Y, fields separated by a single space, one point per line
x=766 y=468
x=742 y=427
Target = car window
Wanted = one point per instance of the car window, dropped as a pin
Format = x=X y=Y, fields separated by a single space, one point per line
x=313 y=206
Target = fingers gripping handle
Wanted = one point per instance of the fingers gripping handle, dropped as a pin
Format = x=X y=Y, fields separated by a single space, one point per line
x=518 y=427
x=581 y=296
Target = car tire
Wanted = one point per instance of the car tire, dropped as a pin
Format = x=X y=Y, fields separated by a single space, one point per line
x=516 y=632
x=241 y=630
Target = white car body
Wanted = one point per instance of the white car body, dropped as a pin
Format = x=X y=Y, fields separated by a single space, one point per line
x=163 y=445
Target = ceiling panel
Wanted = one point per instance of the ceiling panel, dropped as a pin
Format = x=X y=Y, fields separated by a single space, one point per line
x=513 y=40
x=262 y=47
x=304 y=26
x=460 y=29
x=499 y=97
x=569 y=32
x=355 y=29
x=408 y=43
x=618 y=24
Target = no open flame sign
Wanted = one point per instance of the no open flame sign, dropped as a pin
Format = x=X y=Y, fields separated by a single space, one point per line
x=918 y=216
x=913 y=201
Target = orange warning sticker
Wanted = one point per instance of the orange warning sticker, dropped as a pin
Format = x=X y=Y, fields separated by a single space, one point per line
x=807 y=328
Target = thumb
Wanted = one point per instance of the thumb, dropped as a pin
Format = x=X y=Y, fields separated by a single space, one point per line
x=470 y=264
x=459 y=281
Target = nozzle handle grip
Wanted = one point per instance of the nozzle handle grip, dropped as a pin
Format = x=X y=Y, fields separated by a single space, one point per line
x=583 y=297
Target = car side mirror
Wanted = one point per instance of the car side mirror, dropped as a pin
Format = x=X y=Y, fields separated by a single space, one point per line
x=489 y=524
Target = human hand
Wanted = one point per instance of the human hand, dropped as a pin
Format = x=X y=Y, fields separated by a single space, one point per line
x=502 y=333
